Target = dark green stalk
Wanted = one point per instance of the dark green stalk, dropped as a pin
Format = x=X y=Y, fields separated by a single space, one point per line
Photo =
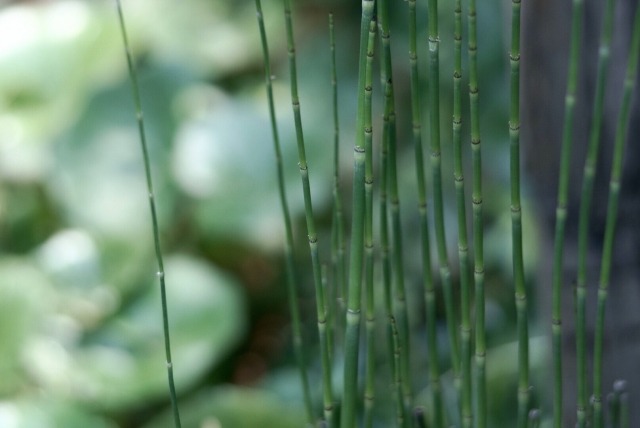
x=463 y=243
x=397 y=376
x=352 y=335
x=418 y=414
x=583 y=223
x=288 y=248
x=624 y=404
x=369 y=394
x=561 y=217
x=516 y=220
x=436 y=171
x=478 y=235
x=612 y=214
x=311 y=228
x=133 y=77
x=338 y=245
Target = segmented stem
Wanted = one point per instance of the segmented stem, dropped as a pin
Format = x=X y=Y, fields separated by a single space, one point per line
x=133 y=77
x=612 y=214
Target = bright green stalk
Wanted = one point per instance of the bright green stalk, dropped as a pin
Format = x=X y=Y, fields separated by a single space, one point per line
x=369 y=394
x=478 y=235
x=288 y=248
x=338 y=246
x=612 y=213
x=133 y=77
x=436 y=171
x=389 y=178
x=311 y=228
x=352 y=335
x=463 y=244
x=561 y=217
x=585 y=211
x=516 y=220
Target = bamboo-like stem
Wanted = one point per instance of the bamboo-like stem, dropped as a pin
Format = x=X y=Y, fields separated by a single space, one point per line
x=436 y=171
x=583 y=222
x=352 y=334
x=311 y=228
x=516 y=220
x=463 y=243
x=389 y=180
x=561 y=217
x=397 y=376
x=369 y=394
x=338 y=244
x=623 y=398
x=478 y=233
x=288 y=248
x=615 y=403
x=612 y=213
x=135 y=90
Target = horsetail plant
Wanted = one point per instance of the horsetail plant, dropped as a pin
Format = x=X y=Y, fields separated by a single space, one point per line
x=311 y=228
x=612 y=213
x=463 y=243
x=352 y=334
x=135 y=91
x=478 y=234
x=288 y=247
x=585 y=206
x=561 y=218
x=516 y=220
x=436 y=171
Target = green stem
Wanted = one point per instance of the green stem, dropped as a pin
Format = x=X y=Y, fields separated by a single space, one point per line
x=612 y=214
x=478 y=234
x=436 y=171
x=516 y=221
x=397 y=376
x=463 y=243
x=290 y=263
x=352 y=335
x=311 y=228
x=133 y=77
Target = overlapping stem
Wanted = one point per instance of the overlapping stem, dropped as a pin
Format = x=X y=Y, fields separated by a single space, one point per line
x=369 y=394
x=583 y=222
x=352 y=334
x=311 y=228
x=463 y=243
x=561 y=218
x=478 y=235
x=288 y=248
x=516 y=220
x=612 y=214
x=436 y=171
x=133 y=77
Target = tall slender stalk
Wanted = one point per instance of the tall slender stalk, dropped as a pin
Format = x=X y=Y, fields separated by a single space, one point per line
x=436 y=171
x=478 y=235
x=397 y=352
x=561 y=217
x=288 y=248
x=352 y=334
x=369 y=395
x=612 y=214
x=463 y=243
x=516 y=220
x=311 y=228
x=135 y=91
x=583 y=222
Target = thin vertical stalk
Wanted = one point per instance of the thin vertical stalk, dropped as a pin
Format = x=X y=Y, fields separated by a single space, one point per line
x=397 y=376
x=418 y=414
x=369 y=394
x=583 y=222
x=284 y=205
x=612 y=214
x=436 y=171
x=338 y=245
x=624 y=406
x=311 y=228
x=463 y=243
x=561 y=218
x=478 y=234
x=133 y=78
x=352 y=334
x=516 y=220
